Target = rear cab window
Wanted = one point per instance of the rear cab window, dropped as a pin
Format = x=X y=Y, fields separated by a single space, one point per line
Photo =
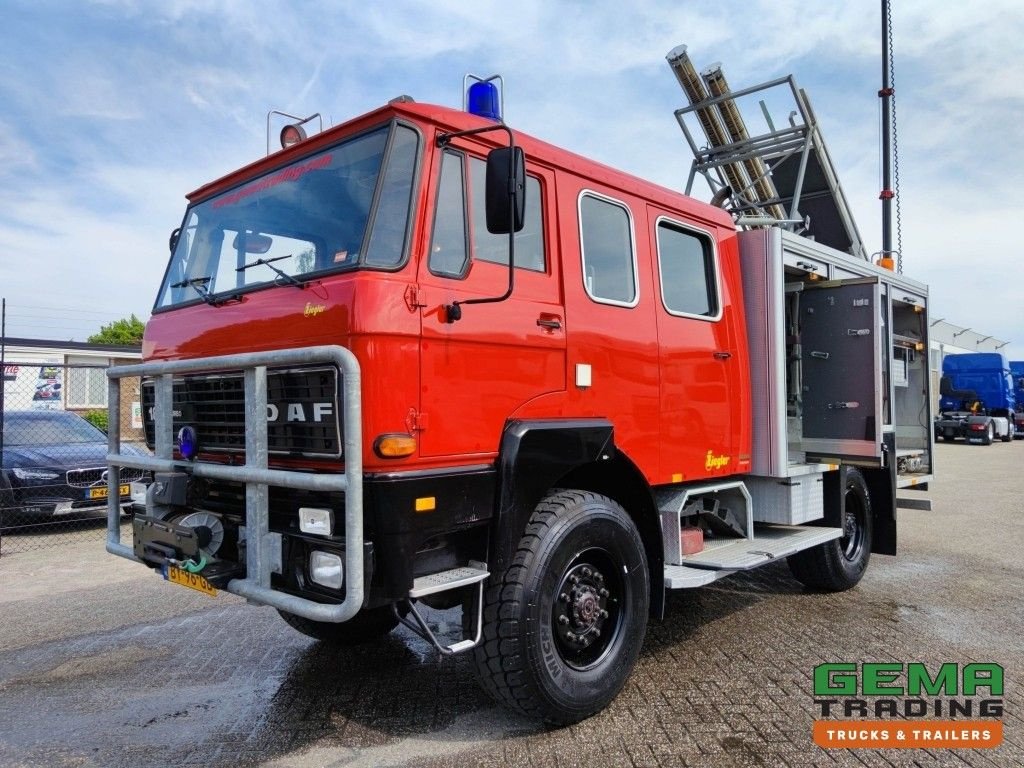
x=687 y=271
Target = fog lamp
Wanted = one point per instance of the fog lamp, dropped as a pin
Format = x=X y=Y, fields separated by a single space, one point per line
x=316 y=521
x=326 y=569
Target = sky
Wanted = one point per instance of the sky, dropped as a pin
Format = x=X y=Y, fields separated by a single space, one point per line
x=112 y=111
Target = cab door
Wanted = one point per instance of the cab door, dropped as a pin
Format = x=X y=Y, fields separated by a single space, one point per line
x=702 y=419
x=478 y=370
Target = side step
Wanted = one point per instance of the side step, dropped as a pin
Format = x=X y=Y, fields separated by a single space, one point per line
x=444 y=581
x=770 y=542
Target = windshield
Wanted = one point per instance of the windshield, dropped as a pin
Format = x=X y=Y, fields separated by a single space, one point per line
x=298 y=222
x=48 y=428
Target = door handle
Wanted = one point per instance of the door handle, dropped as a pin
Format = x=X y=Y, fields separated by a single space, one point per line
x=723 y=355
x=549 y=321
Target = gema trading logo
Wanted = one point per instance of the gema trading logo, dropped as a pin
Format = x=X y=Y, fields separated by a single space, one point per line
x=908 y=705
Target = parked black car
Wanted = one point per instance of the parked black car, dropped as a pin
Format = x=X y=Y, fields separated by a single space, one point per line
x=54 y=466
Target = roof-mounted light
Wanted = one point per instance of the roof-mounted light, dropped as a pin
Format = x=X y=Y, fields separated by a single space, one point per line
x=292 y=134
x=483 y=97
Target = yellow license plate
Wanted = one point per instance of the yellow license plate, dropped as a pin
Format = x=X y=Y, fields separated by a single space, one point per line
x=191 y=580
x=100 y=492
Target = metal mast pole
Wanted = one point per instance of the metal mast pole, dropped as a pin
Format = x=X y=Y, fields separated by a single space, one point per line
x=885 y=94
x=3 y=371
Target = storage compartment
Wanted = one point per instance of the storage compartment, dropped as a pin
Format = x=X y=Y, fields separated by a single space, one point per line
x=790 y=501
x=838 y=359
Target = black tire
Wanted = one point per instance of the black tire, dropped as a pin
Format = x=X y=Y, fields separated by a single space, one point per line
x=839 y=564
x=1009 y=432
x=564 y=624
x=364 y=627
x=989 y=433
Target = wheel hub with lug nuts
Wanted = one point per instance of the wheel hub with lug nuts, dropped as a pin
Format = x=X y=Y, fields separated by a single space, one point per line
x=582 y=605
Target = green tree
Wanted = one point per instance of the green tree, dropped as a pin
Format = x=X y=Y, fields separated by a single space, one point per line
x=125 y=332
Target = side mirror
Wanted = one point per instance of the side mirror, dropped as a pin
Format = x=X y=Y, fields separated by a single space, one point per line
x=506 y=171
x=172 y=242
x=252 y=243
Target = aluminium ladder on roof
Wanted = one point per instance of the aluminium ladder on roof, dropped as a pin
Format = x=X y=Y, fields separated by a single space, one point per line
x=784 y=170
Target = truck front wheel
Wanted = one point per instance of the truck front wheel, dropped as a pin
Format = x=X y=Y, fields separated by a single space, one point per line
x=365 y=626
x=839 y=564
x=564 y=624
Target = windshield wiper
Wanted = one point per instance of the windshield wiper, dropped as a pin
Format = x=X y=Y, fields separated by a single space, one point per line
x=289 y=279
x=199 y=284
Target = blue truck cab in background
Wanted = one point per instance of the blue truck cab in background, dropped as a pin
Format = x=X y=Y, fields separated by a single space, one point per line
x=978 y=399
x=1017 y=371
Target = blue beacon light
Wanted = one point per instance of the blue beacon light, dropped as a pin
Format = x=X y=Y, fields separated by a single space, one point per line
x=483 y=97
x=187 y=442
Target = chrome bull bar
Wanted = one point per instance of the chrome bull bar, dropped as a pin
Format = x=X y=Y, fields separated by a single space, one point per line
x=255 y=474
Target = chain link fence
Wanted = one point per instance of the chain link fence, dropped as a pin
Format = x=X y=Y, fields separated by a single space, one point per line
x=53 y=468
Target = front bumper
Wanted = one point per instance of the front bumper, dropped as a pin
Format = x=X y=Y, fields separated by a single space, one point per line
x=264 y=550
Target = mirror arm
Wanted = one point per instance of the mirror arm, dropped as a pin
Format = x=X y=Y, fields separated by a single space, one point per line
x=453 y=311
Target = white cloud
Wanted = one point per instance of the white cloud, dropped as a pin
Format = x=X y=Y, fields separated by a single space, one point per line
x=115 y=110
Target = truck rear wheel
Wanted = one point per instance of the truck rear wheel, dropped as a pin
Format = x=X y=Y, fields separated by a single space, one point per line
x=839 y=564
x=564 y=624
x=365 y=626
x=990 y=432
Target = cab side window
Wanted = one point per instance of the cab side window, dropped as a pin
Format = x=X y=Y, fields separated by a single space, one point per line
x=609 y=258
x=686 y=265
x=494 y=248
x=448 y=253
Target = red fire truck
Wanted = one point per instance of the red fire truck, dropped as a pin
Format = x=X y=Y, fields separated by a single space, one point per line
x=420 y=359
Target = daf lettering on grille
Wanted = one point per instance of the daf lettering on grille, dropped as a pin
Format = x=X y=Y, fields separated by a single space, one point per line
x=299 y=412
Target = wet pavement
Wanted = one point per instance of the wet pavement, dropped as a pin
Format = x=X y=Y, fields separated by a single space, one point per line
x=103 y=664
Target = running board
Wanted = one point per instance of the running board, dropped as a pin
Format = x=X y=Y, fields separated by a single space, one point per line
x=770 y=542
x=444 y=581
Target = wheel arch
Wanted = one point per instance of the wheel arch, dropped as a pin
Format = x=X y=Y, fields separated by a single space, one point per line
x=537 y=456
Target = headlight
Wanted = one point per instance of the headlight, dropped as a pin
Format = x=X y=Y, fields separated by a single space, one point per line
x=326 y=569
x=35 y=474
x=316 y=521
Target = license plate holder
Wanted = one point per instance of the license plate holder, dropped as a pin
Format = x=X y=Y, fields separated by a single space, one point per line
x=183 y=578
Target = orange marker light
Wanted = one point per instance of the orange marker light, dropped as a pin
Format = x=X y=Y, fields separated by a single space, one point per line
x=394 y=446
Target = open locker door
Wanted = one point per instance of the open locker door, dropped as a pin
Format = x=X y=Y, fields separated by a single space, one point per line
x=841 y=352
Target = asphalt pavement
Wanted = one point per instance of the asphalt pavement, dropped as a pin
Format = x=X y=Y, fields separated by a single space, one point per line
x=104 y=664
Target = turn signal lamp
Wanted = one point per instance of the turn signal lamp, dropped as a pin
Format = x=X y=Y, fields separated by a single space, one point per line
x=483 y=97
x=187 y=442
x=394 y=446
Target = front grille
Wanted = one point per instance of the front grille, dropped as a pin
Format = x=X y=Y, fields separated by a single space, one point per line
x=94 y=476
x=303 y=411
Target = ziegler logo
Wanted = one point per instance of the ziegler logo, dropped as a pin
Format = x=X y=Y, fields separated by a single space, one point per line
x=312 y=310
x=715 y=462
